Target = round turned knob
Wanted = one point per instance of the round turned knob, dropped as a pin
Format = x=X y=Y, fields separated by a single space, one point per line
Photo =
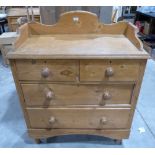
x=109 y=71
x=106 y=95
x=49 y=95
x=103 y=120
x=52 y=120
x=45 y=72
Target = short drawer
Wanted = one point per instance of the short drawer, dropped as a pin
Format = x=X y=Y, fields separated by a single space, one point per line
x=73 y=94
x=47 y=70
x=109 y=70
x=78 y=118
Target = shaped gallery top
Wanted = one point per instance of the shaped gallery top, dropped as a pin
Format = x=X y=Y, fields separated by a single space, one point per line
x=78 y=35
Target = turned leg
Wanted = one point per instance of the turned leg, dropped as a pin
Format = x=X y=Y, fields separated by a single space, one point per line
x=118 y=141
x=37 y=140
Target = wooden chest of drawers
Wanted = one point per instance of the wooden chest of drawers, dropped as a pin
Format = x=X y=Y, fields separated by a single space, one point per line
x=78 y=76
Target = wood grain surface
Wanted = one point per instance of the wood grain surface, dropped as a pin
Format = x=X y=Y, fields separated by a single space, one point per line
x=72 y=94
x=79 y=118
x=95 y=70
x=60 y=70
x=80 y=35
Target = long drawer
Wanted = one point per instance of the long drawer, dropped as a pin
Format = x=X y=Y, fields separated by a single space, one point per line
x=48 y=70
x=96 y=118
x=74 y=94
x=109 y=70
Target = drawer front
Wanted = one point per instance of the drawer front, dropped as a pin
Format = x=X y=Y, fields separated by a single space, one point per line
x=72 y=94
x=78 y=118
x=109 y=70
x=47 y=70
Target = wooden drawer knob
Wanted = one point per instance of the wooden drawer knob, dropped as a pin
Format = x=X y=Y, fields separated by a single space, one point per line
x=50 y=95
x=103 y=120
x=106 y=95
x=45 y=72
x=109 y=71
x=52 y=120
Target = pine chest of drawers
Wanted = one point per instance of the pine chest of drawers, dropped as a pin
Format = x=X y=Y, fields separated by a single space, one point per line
x=78 y=76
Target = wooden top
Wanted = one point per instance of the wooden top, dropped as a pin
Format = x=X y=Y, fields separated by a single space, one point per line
x=21 y=12
x=84 y=39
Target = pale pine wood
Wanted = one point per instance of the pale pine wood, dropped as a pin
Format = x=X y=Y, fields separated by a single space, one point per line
x=79 y=118
x=23 y=33
x=87 y=24
x=76 y=46
x=130 y=33
x=60 y=70
x=95 y=70
x=19 y=91
x=115 y=29
x=67 y=70
x=83 y=94
x=137 y=90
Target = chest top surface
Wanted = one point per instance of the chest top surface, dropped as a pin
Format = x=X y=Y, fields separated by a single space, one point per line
x=78 y=35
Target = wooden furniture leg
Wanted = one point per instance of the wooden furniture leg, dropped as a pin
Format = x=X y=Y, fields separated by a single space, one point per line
x=37 y=140
x=118 y=141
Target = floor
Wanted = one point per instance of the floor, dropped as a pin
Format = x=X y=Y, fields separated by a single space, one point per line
x=13 y=130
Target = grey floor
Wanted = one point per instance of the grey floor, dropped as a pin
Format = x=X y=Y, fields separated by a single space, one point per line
x=13 y=130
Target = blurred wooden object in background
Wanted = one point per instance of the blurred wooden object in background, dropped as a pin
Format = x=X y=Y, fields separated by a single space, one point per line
x=6 y=45
x=14 y=13
x=50 y=14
